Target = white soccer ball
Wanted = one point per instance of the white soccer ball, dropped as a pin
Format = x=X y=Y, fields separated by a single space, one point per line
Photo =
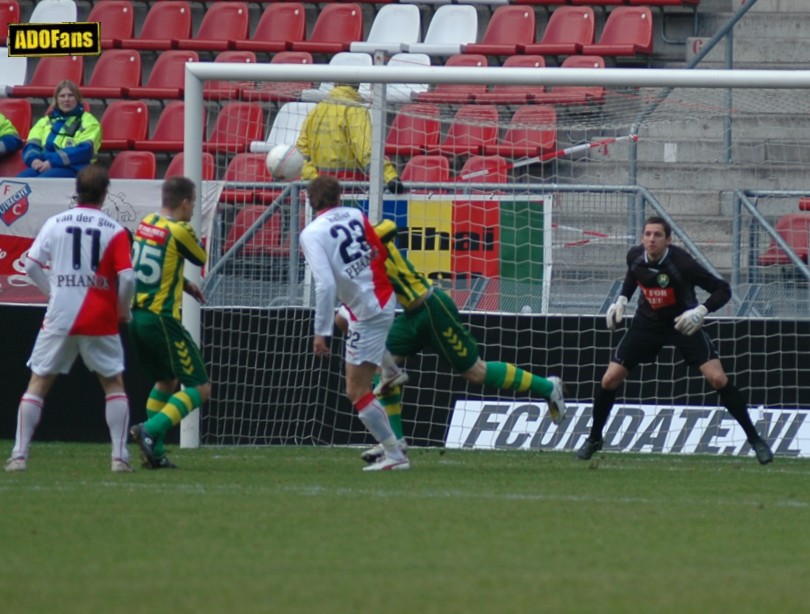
x=285 y=162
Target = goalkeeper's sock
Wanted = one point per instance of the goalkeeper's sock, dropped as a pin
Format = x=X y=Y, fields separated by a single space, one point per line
x=28 y=415
x=116 y=410
x=734 y=402
x=373 y=416
x=392 y=404
x=179 y=405
x=154 y=404
x=602 y=404
x=510 y=377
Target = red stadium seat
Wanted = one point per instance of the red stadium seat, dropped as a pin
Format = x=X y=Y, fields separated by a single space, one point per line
x=473 y=128
x=794 y=228
x=336 y=27
x=280 y=91
x=13 y=165
x=168 y=77
x=532 y=132
x=248 y=168
x=509 y=26
x=115 y=72
x=18 y=112
x=175 y=168
x=576 y=94
x=268 y=240
x=48 y=73
x=223 y=23
x=116 y=19
x=133 y=165
x=168 y=135
x=456 y=93
x=484 y=169
x=9 y=13
x=628 y=31
x=124 y=122
x=237 y=124
x=598 y=2
x=227 y=90
x=515 y=94
x=415 y=128
x=567 y=30
x=280 y=24
x=426 y=169
x=166 y=21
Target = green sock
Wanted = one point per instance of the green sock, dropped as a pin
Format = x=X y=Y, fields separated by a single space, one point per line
x=507 y=376
x=156 y=401
x=177 y=407
x=392 y=403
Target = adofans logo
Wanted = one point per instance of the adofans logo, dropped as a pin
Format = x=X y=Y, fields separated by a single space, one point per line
x=41 y=39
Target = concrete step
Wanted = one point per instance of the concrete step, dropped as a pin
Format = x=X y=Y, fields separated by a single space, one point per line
x=757 y=52
x=673 y=150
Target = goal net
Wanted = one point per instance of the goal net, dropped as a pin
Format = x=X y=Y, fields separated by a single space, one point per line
x=525 y=189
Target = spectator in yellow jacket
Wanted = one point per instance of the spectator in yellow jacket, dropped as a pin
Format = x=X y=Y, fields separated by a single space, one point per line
x=65 y=139
x=9 y=137
x=335 y=140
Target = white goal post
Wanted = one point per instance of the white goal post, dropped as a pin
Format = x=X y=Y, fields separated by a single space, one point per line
x=671 y=115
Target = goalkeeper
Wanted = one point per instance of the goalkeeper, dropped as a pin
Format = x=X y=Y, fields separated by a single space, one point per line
x=431 y=320
x=163 y=242
x=668 y=313
x=335 y=140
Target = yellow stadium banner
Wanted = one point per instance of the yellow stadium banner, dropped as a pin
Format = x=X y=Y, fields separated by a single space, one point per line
x=50 y=39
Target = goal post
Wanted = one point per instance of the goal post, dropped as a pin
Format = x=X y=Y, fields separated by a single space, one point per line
x=532 y=258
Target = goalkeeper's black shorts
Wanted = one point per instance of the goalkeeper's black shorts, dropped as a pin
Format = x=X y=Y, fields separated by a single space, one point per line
x=645 y=338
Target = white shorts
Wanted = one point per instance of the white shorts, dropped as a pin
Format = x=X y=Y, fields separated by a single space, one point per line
x=55 y=353
x=365 y=341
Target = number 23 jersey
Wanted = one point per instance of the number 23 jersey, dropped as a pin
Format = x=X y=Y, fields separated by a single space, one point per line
x=85 y=250
x=347 y=260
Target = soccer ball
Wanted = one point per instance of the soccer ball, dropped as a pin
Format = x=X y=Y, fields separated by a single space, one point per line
x=285 y=162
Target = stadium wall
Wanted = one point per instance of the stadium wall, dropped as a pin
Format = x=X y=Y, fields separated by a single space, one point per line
x=565 y=345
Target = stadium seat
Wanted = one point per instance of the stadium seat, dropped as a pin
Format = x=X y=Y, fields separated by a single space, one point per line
x=115 y=72
x=280 y=24
x=545 y=3
x=228 y=90
x=168 y=77
x=484 y=169
x=415 y=128
x=473 y=128
x=18 y=112
x=336 y=28
x=344 y=58
x=532 y=132
x=451 y=27
x=222 y=24
x=133 y=165
x=13 y=165
x=53 y=11
x=426 y=169
x=9 y=13
x=13 y=71
x=576 y=94
x=514 y=94
x=168 y=135
x=116 y=19
x=393 y=25
x=248 y=168
x=123 y=123
x=567 y=30
x=166 y=21
x=286 y=126
x=663 y=2
x=794 y=228
x=268 y=240
x=598 y=2
x=237 y=124
x=175 y=168
x=509 y=26
x=48 y=72
x=279 y=91
x=456 y=93
x=401 y=92
x=628 y=31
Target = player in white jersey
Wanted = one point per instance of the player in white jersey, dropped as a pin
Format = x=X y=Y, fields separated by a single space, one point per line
x=347 y=260
x=81 y=261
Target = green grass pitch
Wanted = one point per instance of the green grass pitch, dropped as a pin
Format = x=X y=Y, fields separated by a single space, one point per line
x=243 y=530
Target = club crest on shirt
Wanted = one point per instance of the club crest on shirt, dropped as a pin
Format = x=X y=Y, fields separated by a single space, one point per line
x=663 y=280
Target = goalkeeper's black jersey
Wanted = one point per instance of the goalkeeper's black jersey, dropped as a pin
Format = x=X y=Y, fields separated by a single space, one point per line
x=668 y=285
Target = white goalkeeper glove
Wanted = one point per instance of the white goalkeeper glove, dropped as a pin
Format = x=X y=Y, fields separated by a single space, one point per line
x=690 y=321
x=615 y=312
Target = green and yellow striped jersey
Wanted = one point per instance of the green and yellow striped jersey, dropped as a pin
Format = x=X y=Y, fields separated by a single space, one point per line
x=409 y=283
x=159 y=252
